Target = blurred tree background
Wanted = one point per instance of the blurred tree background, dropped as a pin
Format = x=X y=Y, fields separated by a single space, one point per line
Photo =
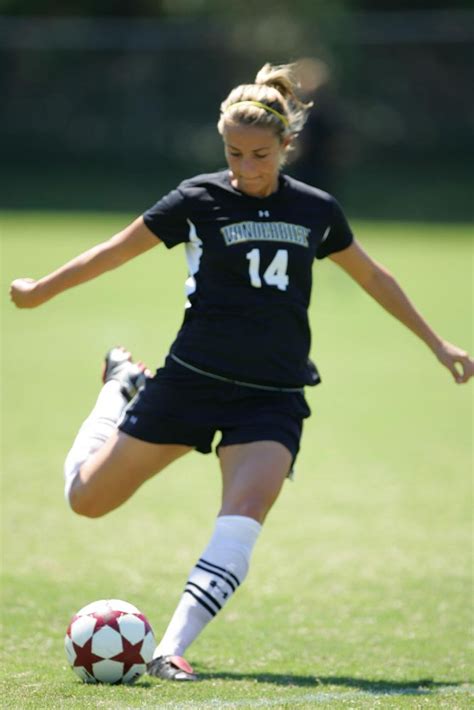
x=106 y=104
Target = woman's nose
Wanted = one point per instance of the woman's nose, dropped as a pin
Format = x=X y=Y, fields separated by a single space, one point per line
x=248 y=167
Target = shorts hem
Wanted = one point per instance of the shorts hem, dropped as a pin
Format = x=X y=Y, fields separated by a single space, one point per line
x=172 y=441
x=243 y=438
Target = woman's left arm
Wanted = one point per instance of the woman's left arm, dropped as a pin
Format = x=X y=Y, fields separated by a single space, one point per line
x=381 y=285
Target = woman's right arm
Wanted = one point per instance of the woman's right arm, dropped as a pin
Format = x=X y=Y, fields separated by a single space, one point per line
x=130 y=242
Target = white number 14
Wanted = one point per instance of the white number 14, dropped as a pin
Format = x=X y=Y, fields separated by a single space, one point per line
x=275 y=274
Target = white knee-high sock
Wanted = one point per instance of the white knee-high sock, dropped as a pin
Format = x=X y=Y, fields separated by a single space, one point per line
x=96 y=429
x=217 y=574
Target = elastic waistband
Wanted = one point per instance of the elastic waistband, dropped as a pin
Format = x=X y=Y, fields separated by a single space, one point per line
x=267 y=388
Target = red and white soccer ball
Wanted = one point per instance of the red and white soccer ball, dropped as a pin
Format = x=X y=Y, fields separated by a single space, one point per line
x=109 y=641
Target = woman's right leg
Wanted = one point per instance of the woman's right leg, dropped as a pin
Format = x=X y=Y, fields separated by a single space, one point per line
x=105 y=466
x=111 y=475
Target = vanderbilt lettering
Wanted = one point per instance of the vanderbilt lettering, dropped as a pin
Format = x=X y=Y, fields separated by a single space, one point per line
x=265 y=231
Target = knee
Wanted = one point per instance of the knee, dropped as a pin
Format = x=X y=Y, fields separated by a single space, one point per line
x=248 y=501
x=255 y=507
x=85 y=510
x=84 y=505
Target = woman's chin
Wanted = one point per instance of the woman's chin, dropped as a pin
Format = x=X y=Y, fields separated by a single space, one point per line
x=255 y=187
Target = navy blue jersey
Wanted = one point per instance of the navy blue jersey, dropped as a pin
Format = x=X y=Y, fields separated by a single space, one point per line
x=250 y=274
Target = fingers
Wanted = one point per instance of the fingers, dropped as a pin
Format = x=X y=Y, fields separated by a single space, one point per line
x=15 y=292
x=21 y=291
x=456 y=360
x=462 y=369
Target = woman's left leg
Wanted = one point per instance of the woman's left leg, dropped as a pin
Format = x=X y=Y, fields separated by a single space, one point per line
x=252 y=476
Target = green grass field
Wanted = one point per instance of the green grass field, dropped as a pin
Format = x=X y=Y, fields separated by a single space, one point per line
x=360 y=593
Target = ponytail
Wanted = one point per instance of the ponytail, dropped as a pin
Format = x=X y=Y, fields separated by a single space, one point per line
x=271 y=102
x=281 y=77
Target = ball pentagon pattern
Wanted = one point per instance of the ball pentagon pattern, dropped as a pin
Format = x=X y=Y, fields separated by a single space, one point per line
x=109 y=641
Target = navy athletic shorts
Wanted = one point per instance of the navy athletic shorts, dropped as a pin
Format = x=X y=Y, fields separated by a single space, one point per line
x=179 y=406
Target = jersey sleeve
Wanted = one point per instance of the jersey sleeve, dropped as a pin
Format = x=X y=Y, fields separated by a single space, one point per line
x=167 y=219
x=339 y=236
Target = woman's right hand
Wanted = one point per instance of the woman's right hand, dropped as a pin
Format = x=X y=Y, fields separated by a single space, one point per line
x=25 y=293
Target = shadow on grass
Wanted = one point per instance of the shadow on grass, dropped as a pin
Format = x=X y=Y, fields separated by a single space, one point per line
x=423 y=686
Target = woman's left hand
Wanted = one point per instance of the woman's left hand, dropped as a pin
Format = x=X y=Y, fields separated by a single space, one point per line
x=458 y=362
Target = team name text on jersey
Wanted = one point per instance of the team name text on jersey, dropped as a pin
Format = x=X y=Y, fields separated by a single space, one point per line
x=265 y=231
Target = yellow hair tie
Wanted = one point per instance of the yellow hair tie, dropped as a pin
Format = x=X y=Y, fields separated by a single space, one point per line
x=259 y=104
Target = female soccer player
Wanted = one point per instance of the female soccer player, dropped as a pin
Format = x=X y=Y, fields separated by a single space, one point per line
x=240 y=360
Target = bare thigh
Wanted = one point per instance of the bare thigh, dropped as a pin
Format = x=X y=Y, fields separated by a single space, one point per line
x=252 y=477
x=116 y=470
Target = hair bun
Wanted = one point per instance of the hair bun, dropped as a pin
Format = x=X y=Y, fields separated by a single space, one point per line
x=281 y=77
x=271 y=101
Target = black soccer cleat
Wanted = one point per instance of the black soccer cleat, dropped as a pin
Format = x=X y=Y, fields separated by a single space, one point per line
x=118 y=366
x=171 y=668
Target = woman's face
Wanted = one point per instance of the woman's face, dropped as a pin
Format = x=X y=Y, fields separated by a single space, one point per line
x=254 y=156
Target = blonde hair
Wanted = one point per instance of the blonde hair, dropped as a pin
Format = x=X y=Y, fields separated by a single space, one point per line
x=271 y=102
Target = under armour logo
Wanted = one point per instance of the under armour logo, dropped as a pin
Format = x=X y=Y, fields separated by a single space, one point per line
x=263 y=213
x=217 y=586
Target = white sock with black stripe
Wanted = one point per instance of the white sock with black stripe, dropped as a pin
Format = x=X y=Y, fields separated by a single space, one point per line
x=217 y=574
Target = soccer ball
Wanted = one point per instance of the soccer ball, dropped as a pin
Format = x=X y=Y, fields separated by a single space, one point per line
x=109 y=641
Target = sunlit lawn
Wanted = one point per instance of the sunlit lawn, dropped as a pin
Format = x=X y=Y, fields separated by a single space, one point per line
x=360 y=592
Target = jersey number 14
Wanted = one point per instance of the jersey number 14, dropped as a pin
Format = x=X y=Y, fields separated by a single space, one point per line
x=275 y=273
